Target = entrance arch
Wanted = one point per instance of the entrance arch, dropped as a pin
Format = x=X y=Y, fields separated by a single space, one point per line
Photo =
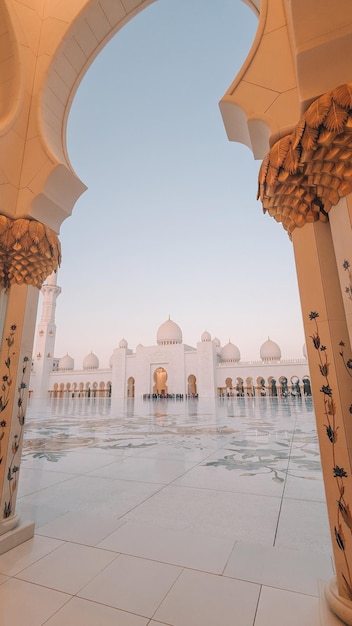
x=192 y=385
x=130 y=387
x=160 y=382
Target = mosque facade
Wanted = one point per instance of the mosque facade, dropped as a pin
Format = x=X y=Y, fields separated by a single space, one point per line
x=170 y=368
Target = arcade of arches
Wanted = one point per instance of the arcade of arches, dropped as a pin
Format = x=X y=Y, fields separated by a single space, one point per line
x=293 y=96
x=232 y=388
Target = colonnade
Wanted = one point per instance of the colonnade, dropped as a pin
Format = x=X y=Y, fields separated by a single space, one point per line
x=294 y=96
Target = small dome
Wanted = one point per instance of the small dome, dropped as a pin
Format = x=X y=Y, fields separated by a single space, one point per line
x=217 y=342
x=270 y=351
x=66 y=363
x=230 y=353
x=90 y=362
x=206 y=336
x=169 y=333
x=123 y=343
x=304 y=351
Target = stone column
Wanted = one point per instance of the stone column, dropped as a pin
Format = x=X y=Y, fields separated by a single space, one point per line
x=340 y=217
x=15 y=364
x=29 y=252
x=330 y=361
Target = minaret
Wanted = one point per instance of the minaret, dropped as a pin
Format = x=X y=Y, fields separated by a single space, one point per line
x=45 y=339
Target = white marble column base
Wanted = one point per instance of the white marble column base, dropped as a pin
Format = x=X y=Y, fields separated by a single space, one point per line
x=340 y=606
x=16 y=536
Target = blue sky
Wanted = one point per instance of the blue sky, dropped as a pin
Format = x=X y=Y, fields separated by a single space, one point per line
x=170 y=224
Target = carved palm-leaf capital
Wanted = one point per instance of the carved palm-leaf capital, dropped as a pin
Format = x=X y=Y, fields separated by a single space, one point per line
x=29 y=252
x=308 y=171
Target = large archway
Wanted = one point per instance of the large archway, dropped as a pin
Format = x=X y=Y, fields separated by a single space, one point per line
x=160 y=386
x=126 y=151
x=55 y=47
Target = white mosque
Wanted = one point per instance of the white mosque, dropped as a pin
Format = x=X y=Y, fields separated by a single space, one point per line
x=168 y=369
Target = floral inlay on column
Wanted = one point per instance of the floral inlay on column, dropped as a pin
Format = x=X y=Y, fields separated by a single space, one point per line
x=343 y=513
x=5 y=387
x=14 y=459
x=347 y=267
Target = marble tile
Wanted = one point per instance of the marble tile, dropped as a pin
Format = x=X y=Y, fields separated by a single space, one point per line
x=23 y=603
x=79 y=612
x=68 y=568
x=33 y=509
x=198 y=598
x=305 y=485
x=32 y=480
x=116 y=449
x=277 y=607
x=67 y=461
x=17 y=559
x=162 y=471
x=181 y=548
x=303 y=525
x=185 y=450
x=275 y=567
x=84 y=527
x=212 y=513
x=266 y=482
x=83 y=493
x=132 y=584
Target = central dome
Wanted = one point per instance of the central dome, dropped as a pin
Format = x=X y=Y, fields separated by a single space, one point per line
x=169 y=333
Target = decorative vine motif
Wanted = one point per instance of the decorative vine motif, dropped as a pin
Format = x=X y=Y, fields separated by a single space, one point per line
x=6 y=382
x=5 y=385
x=343 y=513
x=346 y=266
x=14 y=465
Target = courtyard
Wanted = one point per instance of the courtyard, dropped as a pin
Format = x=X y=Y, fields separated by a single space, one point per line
x=188 y=512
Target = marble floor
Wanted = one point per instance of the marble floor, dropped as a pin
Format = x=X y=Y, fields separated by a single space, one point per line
x=170 y=512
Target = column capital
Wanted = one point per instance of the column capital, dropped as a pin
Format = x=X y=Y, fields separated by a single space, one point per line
x=309 y=170
x=29 y=252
